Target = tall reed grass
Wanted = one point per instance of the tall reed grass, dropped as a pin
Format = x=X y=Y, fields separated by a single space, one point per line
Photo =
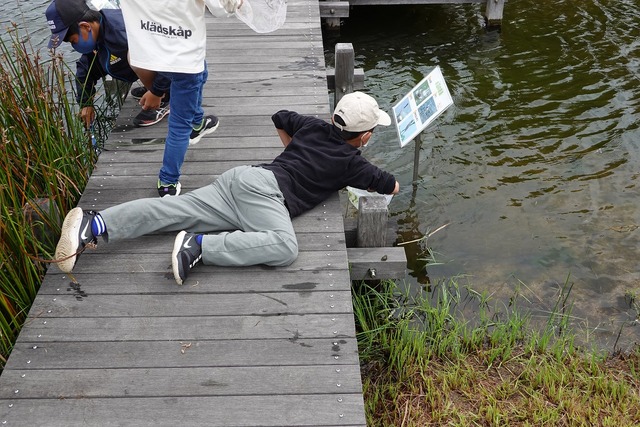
x=46 y=157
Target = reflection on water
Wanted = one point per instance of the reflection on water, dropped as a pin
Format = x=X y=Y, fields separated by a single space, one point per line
x=535 y=167
x=27 y=15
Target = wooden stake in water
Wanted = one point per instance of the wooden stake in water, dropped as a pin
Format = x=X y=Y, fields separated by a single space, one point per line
x=416 y=157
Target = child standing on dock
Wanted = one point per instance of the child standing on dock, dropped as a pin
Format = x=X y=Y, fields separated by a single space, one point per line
x=102 y=40
x=169 y=36
x=249 y=208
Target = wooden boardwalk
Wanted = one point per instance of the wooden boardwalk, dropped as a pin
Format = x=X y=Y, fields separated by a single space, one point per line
x=253 y=346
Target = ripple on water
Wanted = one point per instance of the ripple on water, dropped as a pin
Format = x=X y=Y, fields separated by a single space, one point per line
x=535 y=166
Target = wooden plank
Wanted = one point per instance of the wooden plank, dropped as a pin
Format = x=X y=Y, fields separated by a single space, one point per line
x=187 y=328
x=174 y=382
x=198 y=153
x=153 y=305
x=377 y=263
x=201 y=353
x=334 y=9
x=212 y=411
x=231 y=281
x=126 y=263
x=201 y=282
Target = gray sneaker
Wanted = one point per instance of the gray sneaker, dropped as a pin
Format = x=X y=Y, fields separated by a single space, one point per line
x=151 y=117
x=186 y=254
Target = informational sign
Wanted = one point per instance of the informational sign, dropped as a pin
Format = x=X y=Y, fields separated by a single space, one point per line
x=421 y=106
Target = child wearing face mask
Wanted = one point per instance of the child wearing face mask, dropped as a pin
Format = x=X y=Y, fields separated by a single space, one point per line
x=101 y=38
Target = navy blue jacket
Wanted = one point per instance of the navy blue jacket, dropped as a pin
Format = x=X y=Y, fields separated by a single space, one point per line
x=318 y=162
x=110 y=59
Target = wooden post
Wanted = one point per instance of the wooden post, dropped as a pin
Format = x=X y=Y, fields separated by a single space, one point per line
x=345 y=64
x=372 y=221
x=493 y=12
x=332 y=11
x=373 y=259
x=416 y=157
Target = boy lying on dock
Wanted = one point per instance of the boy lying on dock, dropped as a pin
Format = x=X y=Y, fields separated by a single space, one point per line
x=248 y=209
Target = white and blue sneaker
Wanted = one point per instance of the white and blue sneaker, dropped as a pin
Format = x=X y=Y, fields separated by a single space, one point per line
x=76 y=234
x=186 y=254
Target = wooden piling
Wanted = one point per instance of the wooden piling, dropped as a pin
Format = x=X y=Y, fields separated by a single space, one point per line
x=493 y=12
x=344 y=73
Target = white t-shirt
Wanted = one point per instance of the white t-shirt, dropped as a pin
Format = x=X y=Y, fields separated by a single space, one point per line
x=167 y=35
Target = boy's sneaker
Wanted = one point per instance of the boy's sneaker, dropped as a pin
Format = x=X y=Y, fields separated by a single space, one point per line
x=169 y=189
x=208 y=125
x=138 y=92
x=151 y=117
x=186 y=254
x=76 y=234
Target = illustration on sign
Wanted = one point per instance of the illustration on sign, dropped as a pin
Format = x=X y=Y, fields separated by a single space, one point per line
x=421 y=106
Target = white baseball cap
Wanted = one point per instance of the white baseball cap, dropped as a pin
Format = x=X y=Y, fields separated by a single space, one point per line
x=360 y=113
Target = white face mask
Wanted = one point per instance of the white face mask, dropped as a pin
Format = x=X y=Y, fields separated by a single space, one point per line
x=362 y=143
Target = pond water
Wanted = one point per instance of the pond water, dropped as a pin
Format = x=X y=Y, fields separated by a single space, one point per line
x=535 y=167
x=27 y=15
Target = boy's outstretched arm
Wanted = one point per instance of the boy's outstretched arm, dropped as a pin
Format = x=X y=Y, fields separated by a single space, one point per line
x=284 y=137
x=396 y=190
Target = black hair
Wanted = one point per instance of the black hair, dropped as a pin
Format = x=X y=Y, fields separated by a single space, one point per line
x=89 y=16
x=345 y=134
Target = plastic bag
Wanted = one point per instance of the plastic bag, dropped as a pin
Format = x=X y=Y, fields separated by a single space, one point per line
x=263 y=16
x=354 y=195
x=103 y=4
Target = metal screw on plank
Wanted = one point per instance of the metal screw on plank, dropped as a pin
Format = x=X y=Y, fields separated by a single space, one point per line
x=372 y=273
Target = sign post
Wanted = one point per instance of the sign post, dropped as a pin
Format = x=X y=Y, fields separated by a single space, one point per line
x=419 y=108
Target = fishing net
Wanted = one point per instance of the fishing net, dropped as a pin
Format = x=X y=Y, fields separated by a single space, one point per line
x=262 y=16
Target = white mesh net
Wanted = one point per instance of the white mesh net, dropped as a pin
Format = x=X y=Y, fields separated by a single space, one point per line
x=263 y=16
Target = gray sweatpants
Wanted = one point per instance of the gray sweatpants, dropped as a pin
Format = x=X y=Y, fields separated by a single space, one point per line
x=244 y=207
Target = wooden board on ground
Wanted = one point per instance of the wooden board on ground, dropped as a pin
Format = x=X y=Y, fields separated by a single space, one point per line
x=119 y=343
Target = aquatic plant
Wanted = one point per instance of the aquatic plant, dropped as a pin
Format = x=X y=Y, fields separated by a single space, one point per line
x=424 y=364
x=46 y=157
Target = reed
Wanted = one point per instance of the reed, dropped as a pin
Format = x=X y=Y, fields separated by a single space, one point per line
x=46 y=157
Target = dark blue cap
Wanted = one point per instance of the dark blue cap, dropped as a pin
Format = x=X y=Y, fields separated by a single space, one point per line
x=60 y=15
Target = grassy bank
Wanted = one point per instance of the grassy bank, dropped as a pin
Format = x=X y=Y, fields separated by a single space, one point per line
x=425 y=365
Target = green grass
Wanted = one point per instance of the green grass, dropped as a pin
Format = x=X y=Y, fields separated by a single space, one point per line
x=423 y=364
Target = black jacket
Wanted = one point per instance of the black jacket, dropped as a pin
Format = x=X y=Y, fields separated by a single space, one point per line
x=318 y=162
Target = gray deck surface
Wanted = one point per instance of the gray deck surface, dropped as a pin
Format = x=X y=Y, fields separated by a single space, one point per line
x=253 y=346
